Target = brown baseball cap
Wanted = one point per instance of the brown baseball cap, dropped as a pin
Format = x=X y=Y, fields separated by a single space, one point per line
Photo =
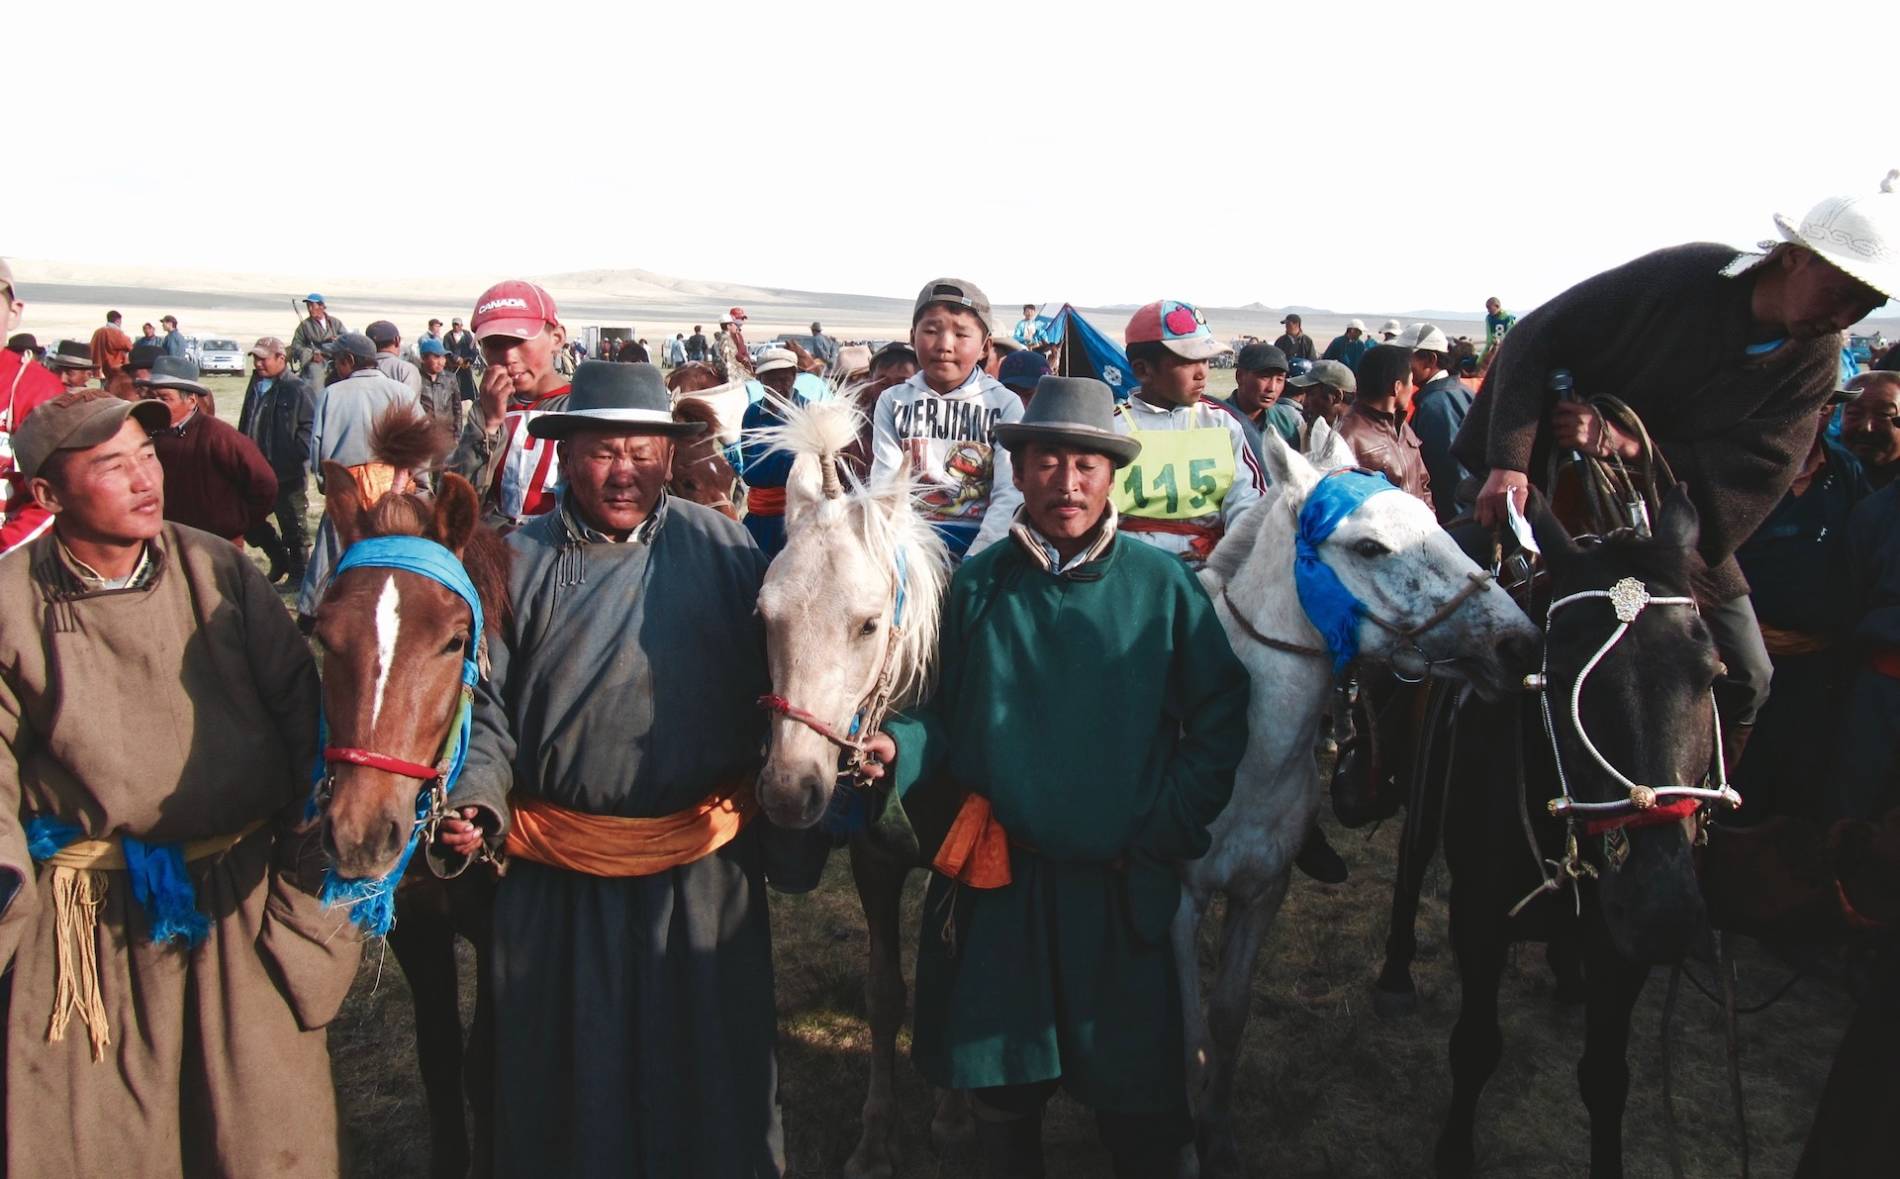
x=956 y=292
x=267 y=346
x=76 y=420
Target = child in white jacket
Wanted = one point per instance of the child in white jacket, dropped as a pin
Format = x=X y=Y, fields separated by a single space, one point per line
x=941 y=420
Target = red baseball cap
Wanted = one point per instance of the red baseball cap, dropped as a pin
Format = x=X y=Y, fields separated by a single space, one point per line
x=737 y=313
x=515 y=308
x=1179 y=327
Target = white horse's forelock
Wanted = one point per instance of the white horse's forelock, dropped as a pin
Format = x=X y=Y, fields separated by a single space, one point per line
x=882 y=519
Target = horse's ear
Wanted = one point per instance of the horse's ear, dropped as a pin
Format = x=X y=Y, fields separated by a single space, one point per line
x=343 y=503
x=1285 y=468
x=1326 y=450
x=804 y=488
x=1553 y=539
x=1678 y=525
x=457 y=511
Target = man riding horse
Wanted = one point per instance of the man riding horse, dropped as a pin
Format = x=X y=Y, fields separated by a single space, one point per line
x=614 y=747
x=1724 y=357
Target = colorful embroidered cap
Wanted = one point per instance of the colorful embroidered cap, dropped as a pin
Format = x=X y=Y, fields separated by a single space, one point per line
x=1178 y=327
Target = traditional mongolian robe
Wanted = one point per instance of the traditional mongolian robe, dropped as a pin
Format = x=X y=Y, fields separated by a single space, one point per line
x=1100 y=713
x=179 y=711
x=635 y=1024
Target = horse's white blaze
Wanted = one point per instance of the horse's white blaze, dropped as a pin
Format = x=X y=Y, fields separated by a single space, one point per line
x=388 y=623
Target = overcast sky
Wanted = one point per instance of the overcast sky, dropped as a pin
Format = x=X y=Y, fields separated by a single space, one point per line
x=1368 y=156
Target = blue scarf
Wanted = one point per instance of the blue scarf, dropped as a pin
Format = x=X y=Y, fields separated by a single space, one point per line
x=157 y=873
x=371 y=900
x=1329 y=605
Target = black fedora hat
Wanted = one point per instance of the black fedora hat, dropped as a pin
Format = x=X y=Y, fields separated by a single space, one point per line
x=1076 y=412
x=70 y=354
x=625 y=398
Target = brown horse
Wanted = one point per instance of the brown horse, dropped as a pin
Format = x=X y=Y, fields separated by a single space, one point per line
x=694 y=377
x=700 y=471
x=372 y=620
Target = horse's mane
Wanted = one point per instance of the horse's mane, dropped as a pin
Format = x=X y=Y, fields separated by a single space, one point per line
x=407 y=438
x=697 y=409
x=822 y=430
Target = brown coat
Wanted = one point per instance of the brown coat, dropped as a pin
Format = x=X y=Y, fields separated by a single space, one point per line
x=178 y=711
x=1386 y=445
x=1668 y=334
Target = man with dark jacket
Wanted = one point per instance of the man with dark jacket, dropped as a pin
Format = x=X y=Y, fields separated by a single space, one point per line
x=277 y=415
x=215 y=479
x=1294 y=342
x=1438 y=412
x=1727 y=356
x=1798 y=582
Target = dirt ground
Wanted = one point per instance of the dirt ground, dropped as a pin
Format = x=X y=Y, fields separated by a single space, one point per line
x=1326 y=1088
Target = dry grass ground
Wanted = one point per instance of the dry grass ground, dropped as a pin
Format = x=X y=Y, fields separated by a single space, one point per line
x=1326 y=1088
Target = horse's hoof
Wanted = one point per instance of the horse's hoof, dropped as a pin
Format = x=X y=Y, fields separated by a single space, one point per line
x=1394 y=1004
x=1453 y=1160
x=952 y=1128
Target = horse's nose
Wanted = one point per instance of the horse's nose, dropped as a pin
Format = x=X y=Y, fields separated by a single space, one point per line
x=1519 y=653
x=368 y=852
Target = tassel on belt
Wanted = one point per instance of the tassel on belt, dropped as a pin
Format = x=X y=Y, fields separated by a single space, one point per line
x=612 y=845
x=79 y=892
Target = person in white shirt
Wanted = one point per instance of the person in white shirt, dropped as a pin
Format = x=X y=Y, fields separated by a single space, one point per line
x=939 y=422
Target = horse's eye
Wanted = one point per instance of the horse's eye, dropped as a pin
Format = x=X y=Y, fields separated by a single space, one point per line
x=456 y=644
x=1370 y=548
x=869 y=627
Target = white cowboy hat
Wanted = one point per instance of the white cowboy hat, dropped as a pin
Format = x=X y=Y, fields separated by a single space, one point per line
x=1859 y=235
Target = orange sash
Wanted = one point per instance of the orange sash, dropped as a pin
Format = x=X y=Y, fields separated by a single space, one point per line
x=976 y=851
x=608 y=845
x=1886 y=661
x=764 y=501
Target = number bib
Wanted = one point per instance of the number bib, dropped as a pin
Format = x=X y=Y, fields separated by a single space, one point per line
x=1180 y=474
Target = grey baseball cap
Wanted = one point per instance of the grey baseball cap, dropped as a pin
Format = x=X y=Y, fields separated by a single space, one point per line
x=1328 y=372
x=954 y=291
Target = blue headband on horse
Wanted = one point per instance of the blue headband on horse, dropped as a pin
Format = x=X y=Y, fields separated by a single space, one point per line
x=1329 y=605
x=371 y=900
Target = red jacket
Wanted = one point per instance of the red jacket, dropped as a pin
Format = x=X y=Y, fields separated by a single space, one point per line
x=24 y=384
x=215 y=478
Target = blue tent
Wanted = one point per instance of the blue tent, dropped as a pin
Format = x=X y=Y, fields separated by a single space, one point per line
x=1086 y=352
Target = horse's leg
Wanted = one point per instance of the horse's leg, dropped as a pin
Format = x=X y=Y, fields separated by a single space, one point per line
x=423 y=941
x=880 y=884
x=1184 y=934
x=1242 y=934
x=1603 y=1075
x=472 y=902
x=1394 y=994
x=1477 y=939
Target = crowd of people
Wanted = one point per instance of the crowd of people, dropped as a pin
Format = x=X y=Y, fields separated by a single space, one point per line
x=156 y=872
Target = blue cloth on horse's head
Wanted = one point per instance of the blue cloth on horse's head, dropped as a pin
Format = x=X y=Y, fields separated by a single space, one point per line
x=425 y=558
x=371 y=900
x=1329 y=605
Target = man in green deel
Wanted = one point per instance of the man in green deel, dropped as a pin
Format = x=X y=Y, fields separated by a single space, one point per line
x=1045 y=959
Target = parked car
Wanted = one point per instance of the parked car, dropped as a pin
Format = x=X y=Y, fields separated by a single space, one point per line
x=220 y=356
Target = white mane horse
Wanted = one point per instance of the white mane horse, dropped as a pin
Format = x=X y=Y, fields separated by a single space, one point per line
x=1393 y=556
x=851 y=607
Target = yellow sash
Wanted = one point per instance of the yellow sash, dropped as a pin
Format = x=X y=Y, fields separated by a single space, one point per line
x=1180 y=474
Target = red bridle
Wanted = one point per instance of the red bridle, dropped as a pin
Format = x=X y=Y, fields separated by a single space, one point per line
x=370 y=759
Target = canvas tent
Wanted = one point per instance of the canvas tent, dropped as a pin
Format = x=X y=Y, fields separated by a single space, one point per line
x=1083 y=351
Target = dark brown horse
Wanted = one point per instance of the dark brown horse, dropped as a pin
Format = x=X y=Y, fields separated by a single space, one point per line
x=371 y=622
x=700 y=470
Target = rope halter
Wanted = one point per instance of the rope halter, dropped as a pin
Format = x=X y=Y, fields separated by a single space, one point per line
x=1642 y=805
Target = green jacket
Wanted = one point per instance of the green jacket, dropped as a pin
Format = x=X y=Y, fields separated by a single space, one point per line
x=1102 y=713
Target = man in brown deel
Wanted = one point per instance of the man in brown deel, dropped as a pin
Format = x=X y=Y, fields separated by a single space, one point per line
x=1374 y=424
x=172 y=971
